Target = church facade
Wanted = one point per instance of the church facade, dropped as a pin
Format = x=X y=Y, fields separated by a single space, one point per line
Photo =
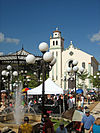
x=66 y=56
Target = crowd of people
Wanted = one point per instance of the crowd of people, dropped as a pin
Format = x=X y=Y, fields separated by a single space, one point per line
x=56 y=101
x=54 y=104
x=87 y=125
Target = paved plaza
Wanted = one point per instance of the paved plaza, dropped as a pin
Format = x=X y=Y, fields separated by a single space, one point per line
x=94 y=108
x=96 y=111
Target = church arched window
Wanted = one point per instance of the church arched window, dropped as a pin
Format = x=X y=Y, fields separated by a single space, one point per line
x=70 y=63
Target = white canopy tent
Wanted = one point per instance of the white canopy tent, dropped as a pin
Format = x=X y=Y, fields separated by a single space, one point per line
x=50 y=88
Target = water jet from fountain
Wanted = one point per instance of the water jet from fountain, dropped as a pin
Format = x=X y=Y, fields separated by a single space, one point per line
x=18 y=110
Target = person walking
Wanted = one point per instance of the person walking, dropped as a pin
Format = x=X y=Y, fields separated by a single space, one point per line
x=82 y=101
x=96 y=125
x=47 y=125
x=25 y=127
x=61 y=128
x=87 y=121
x=70 y=103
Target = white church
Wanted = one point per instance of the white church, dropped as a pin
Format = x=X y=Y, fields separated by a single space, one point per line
x=66 y=56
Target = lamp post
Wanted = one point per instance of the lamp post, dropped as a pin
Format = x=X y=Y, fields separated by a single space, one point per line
x=24 y=80
x=24 y=74
x=3 y=82
x=15 y=74
x=73 y=70
x=64 y=92
x=47 y=58
x=28 y=80
x=8 y=74
x=97 y=80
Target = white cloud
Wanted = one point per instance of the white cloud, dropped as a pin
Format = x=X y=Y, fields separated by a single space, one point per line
x=12 y=40
x=1 y=53
x=1 y=37
x=8 y=39
x=95 y=37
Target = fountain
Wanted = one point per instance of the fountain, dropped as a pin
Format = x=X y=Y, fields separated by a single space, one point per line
x=18 y=112
x=13 y=117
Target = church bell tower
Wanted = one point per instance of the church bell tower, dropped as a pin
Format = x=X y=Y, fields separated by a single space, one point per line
x=56 y=47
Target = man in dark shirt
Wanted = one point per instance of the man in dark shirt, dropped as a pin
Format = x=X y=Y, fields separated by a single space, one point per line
x=48 y=125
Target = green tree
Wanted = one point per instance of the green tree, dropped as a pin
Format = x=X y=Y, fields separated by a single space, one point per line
x=35 y=80
x=95 y=81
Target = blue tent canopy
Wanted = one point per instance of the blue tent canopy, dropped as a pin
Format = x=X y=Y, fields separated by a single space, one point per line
x=92 y=93
x=79 y=91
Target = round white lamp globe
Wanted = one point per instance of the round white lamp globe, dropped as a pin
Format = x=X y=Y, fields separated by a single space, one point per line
x=4 y=72
x=48 y=57
x=9 y=67
x=75 y=68
x=43 y=47
x=69 y=69
x=30 y=59
x=81 y=69
x=75 y=62
x=7 y=73
x=14 y=84
x=98 y=73
x=15 y=73
x=4 y=81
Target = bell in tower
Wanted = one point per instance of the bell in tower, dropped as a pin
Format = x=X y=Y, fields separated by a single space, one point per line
x=56 y=33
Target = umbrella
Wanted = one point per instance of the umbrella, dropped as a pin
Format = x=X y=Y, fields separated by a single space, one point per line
x=26 y=89
x=77 y=116
x=79 y=91
x=92 y=93
x=68 y=114
x=73 y=115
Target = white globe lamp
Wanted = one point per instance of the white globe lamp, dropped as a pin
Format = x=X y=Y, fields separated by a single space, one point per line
x=98 y=73
x=14 y=84
x=69 y=69
x=81 y=69
x=15 y=73
x=4 y=73
x=75 y=62
x=30 y=59
x=7 y=73
x=48 y=57
x=75 y=68
x=9 y=67
x=94 y=77
x=43 y=47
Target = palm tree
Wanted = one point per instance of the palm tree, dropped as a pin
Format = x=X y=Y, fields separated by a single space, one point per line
x=83 y=76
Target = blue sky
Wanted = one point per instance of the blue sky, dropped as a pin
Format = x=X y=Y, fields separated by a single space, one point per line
x=30 y=22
